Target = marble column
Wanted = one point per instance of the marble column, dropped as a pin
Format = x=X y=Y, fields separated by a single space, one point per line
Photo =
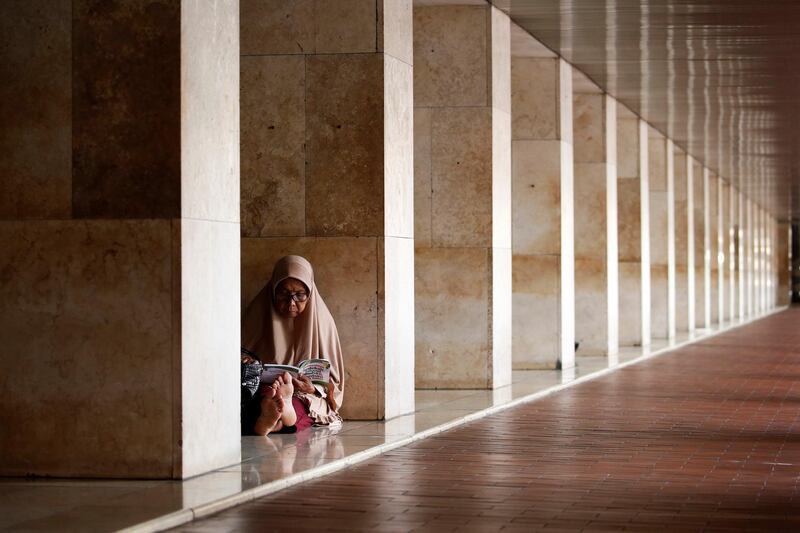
x=698 y=203
x=659 y=234
x=543 y=246
x=119 y=240
x=462 y=205
x=595 y=220
x=741 y=256
x=629 y=209
x=327 y=173
x=723 y=248
x=748 y=244
x=672 y=282
x=767 y=260
x=712 y=249
x=644 y=195
x=733 y=272
x=783 y=265
x=758 y=259
x=794 y=254
x=708 y=247
x=682 y=249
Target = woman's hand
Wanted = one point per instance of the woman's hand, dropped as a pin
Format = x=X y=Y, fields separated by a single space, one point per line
x=246 y=359
x=303 y=384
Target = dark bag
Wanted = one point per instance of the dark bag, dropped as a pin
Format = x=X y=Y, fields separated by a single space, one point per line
x=251 y=377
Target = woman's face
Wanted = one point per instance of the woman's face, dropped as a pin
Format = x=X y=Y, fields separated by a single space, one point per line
x=291 y=297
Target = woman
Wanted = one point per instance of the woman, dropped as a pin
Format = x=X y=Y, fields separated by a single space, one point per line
x=286 y=323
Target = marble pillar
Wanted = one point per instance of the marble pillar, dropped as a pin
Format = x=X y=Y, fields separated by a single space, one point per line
x=733 y=279
x=644 y=214
x=672 y=281
x=708 y=248
x=712 y=249
x=741 y=256
x=119 y=308
x=594 y=129
x=659 y=234
x=723 y=255
x=327 y=173
x=749 y=258
x=698 y=229
x=682 y=249
x=462 y=206
x=629 y=210
x=783 y=264
x=542 y=213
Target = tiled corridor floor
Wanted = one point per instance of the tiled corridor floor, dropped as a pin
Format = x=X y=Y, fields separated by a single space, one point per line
x=705 y=438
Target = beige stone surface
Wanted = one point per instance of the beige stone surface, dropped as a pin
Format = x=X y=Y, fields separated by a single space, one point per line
x=588 y=138
x=450 y=44
x=209 y=108
x=534 y=98
x=591 y=320
x=423 y=187
x=210 y=341
x=452 y=317
x=681 y=299
x=629 y=220
x=681 y=235
x=699 y=229
x=395 y=29
x=273 y=146
x=713 y=208
x=277 y=27
x=658 y=228
x=127 y=74
x=627 y=144
x=699 y=298
x=784 y=282
x=590 y=211
x=345 y=26
x=86 y=299
x=659 y=326
x=461 y=175
x=346 y=273
x=536 y=197
x=36 y=137
x=657 y=161
x=680 y=175
x=308 y=26
x=535 y=326
x=344 y=146
x=630 y=304
x=398 y=149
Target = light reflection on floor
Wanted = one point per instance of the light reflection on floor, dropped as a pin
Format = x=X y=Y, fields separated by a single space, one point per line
x=273 y=463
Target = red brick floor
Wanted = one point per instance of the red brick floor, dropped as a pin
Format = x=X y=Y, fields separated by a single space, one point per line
x=702 y=439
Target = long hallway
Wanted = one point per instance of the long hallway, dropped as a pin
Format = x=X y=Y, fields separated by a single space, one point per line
x=704 y=438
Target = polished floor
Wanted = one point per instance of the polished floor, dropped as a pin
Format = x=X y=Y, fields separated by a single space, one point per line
x=705 y=438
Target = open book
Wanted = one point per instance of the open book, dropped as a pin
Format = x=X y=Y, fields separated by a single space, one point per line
x=317 y=370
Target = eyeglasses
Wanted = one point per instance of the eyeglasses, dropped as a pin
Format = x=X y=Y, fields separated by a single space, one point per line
x=300 y=296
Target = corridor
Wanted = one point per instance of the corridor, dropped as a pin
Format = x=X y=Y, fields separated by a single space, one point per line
x=703 y=438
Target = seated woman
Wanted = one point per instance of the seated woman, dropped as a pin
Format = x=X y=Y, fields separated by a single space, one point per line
x=286 y=323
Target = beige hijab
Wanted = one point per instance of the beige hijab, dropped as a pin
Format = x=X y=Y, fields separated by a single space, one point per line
x=286 y=341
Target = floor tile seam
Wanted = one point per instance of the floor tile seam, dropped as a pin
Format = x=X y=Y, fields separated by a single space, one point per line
x=185 y=516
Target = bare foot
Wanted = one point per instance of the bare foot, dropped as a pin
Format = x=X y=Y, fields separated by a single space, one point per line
x=284 y=388
x=272 y=407
x=283 y=384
